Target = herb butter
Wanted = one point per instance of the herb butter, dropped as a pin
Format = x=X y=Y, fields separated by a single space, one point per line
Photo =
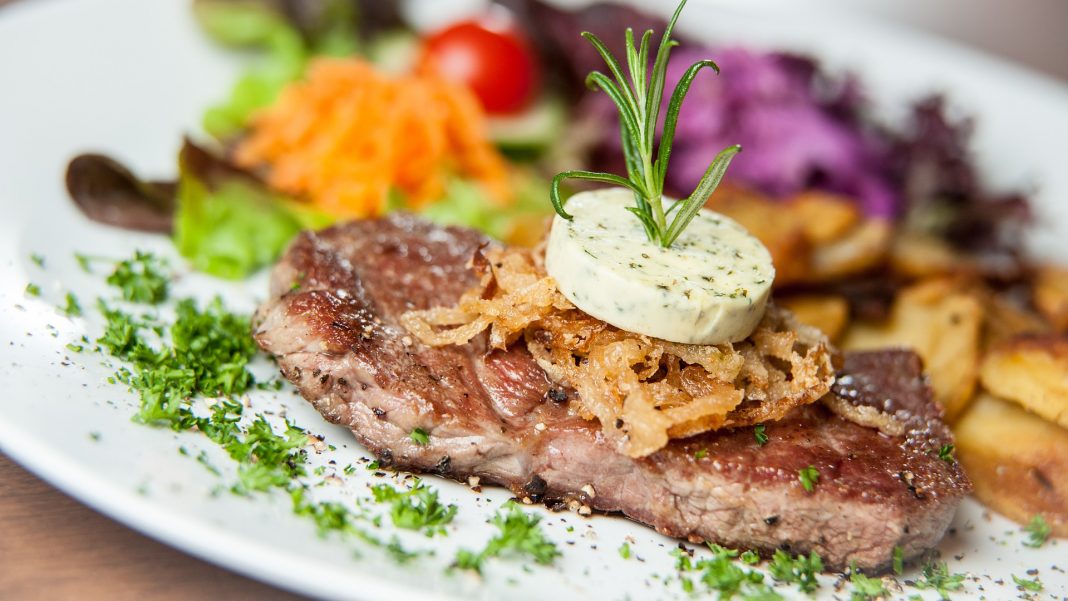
x=709 y=287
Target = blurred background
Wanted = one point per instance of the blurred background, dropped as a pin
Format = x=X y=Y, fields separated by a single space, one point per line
x=1033 y=32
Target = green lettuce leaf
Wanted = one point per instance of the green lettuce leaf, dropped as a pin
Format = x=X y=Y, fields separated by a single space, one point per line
x=229 y=224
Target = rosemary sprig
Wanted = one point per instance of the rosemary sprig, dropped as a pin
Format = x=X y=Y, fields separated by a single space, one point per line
x=639 y=100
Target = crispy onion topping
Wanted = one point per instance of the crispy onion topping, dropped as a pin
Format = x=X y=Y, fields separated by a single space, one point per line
x=644 y=391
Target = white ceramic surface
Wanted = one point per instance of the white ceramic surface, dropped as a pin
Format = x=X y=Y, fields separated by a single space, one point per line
x=128 y=77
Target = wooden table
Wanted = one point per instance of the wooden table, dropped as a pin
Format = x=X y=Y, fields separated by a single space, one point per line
x=53 y=547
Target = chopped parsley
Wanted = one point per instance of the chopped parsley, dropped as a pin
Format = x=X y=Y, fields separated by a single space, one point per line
x=420 y=437
x=1037 y=532
x=946 y=453
x=809 y=477
x=417 y=508
x=333 y=517
x=33 y=289
x=760 y=434
x=1033 y=586
x=38 y=260
x=141 y=279
x=205 y=352
x=750 y=557
x=898 y=561
x=866 y=588
x=73 y=308
x=701 y=454
x=519 y=535
x=799 y=570
x=202 y=459
x=936 y=577
x=624 y=550
x=83 y=262
x=722 y=575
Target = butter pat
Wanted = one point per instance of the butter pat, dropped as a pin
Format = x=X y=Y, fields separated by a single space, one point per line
x=710 y=287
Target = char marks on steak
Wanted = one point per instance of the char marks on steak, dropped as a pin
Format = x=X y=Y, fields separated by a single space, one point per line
x=332 y=322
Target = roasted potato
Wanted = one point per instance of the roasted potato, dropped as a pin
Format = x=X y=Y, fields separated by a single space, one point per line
x=1051 y=295
x=772 y=224
x=917 y=255
x=813 y=237
x=863 y=248
x=1031 y=371
x=826 y=312
x=942 y=323
x=824 y=217
x=1017 y=461
x=1006 y=319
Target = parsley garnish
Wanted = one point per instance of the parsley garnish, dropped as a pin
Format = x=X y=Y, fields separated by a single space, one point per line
x=72 y=308
x=416 y=509
x=809 y=477
x=331 y=516
x=866 y=588
x=946 y=453
x=701 y=454
x=1028 y=585
x=38 y=260
x=800 y=570
x=141 y=279
x=202 y=459
x=723 y=575
x=624 y=550
x=83 y=262
x=420 y=437
x=936 y=577
x=750 y=557
x=898 y=562
x=519 y=535
x=1037 y=532
x=760 y=434
x=33 y=289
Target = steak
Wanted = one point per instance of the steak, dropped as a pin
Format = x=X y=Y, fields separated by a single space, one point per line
x=332 y=323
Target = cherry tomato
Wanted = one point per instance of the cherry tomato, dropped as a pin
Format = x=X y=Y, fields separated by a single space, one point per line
x=491 y=57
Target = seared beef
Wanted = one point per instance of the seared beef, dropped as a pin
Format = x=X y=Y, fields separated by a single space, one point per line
x=332 y=322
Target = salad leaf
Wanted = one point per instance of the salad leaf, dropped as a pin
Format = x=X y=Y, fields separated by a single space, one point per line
x=106 y=191
x=228 y=224
x=251 y=25
x=287 y=33
x=464 y=203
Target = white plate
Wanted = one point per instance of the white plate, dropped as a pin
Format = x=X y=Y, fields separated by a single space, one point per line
x=128 y=77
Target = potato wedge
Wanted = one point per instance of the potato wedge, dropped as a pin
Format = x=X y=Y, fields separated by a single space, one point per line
x=824 y=217
x=1051 y=295
x=772 y=224
x=1031 y=371
x=863 y=248
x=1017 y=461
x=917 y=255
x=942 y=324
x=827 y=312
x=1006 y=319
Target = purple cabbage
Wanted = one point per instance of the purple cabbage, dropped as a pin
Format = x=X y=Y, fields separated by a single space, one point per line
x=798 y=129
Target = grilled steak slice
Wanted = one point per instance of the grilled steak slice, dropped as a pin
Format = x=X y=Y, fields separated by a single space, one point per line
x=332 y=322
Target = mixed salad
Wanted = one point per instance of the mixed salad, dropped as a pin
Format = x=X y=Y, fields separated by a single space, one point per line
x=346 y=112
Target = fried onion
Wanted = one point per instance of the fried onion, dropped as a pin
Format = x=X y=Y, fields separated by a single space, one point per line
x=643 y=390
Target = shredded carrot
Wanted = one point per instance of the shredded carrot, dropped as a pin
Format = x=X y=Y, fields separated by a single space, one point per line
x=348 y=135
